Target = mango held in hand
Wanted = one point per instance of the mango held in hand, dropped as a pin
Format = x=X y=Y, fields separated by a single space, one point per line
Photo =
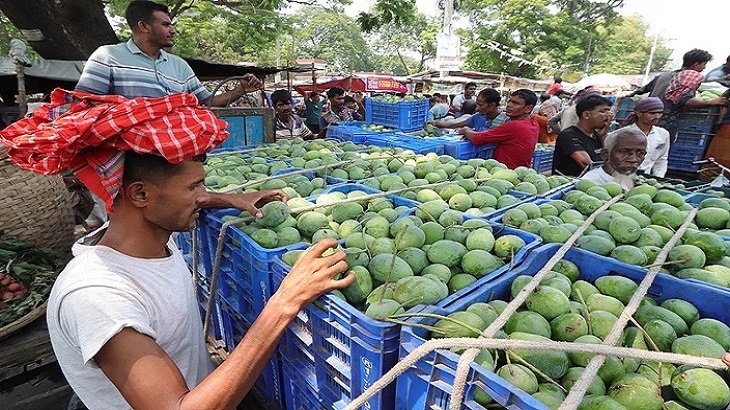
x=275 y=213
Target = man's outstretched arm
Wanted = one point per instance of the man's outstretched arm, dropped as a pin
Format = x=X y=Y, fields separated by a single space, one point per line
x=148 y=379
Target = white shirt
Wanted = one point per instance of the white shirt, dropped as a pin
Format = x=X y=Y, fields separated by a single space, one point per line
x=100 y=292
x=657 y=151
x=460 y=99
x=601 y=177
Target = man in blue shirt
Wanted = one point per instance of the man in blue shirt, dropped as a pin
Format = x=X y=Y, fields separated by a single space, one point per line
x=437 y=110
x=142 y=68
x=488 y=114
x=720 y=74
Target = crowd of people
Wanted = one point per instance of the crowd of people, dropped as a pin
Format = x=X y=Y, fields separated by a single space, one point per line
x=123 y=318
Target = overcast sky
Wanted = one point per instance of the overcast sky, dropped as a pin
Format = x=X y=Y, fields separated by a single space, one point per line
x=685 y=24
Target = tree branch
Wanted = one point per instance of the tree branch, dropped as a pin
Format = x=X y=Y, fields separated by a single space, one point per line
x=402 y=61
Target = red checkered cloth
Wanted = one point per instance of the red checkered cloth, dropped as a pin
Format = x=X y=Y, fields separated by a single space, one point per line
x=683 y=82
x=89 y=133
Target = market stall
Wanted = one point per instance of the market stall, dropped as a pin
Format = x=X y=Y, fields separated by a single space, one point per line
x=539 y=232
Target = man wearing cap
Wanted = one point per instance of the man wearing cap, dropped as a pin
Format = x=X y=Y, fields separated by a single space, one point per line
x=646 y=115
x=123 y=317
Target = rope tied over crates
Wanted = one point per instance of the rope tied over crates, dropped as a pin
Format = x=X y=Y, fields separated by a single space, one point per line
x=606 y=349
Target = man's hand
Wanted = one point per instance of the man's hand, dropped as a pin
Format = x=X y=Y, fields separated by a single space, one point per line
x=467 y=133
x=312 y=275
x=245 y=202
x=248 y=84
x=719 y=101
x=359 y=98
x=252 y=201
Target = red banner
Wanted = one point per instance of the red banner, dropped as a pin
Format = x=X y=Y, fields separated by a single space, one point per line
x=356 y=84
x=385 y=84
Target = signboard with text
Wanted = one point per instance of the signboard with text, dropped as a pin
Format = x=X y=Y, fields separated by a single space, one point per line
x=448 y=52
x=384 y=84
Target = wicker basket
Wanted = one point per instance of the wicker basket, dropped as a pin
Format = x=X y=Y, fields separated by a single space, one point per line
x=35 y=208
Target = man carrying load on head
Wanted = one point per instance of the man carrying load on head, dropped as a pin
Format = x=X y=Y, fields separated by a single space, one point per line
x=122 y=316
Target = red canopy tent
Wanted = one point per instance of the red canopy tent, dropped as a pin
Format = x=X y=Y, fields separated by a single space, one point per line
x=387 y=84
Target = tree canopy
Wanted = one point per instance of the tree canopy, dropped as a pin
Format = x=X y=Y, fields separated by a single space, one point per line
x=529 y=38
x=538 y=38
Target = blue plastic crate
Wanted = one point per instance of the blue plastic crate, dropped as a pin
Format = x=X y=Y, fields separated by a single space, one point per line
x=269 y=385
x=184 y=241
x=338 y=350
x=341 y=352
x=349 y=133
x=231 y=150
x=697 y=197
x=245 y=265
x=682 y=157
x=693 y=139
x=703 y=115
x=459 y=148
x=542 y=161
x=626 y=104
x=695 y=127
x=405 y=115
x=559 y=192
x=244 y=129
x=725 y=190
x=429 y=382
x=298 y=395
x=417 y=145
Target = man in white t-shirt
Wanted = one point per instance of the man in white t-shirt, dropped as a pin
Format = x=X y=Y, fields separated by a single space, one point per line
x=623 y=152
x=470 y=91
x=123 y=317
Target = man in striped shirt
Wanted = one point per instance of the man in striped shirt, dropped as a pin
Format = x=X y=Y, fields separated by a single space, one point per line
x=142 y=68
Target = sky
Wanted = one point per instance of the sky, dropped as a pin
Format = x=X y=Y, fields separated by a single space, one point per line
x=684 y=25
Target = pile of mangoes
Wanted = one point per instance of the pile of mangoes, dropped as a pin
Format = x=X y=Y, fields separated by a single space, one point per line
x=566 y=308
x=635 y=229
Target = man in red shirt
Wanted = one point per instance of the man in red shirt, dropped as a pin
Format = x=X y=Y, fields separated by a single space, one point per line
x=557 y=85
x=516 y=138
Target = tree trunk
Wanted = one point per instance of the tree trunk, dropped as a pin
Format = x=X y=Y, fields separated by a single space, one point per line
x=62 y=30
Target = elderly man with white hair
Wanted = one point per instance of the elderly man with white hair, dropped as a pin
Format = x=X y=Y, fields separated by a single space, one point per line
x=623 y=152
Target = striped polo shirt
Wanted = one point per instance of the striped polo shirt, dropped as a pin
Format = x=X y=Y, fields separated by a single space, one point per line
x=123 y=69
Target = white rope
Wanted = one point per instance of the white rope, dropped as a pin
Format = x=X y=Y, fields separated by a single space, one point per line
x=238 y=151
x=468 y=356
x=231 y=188
x=509 y=344
x=575 y=396
x=462 y=369
x=233 y=221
